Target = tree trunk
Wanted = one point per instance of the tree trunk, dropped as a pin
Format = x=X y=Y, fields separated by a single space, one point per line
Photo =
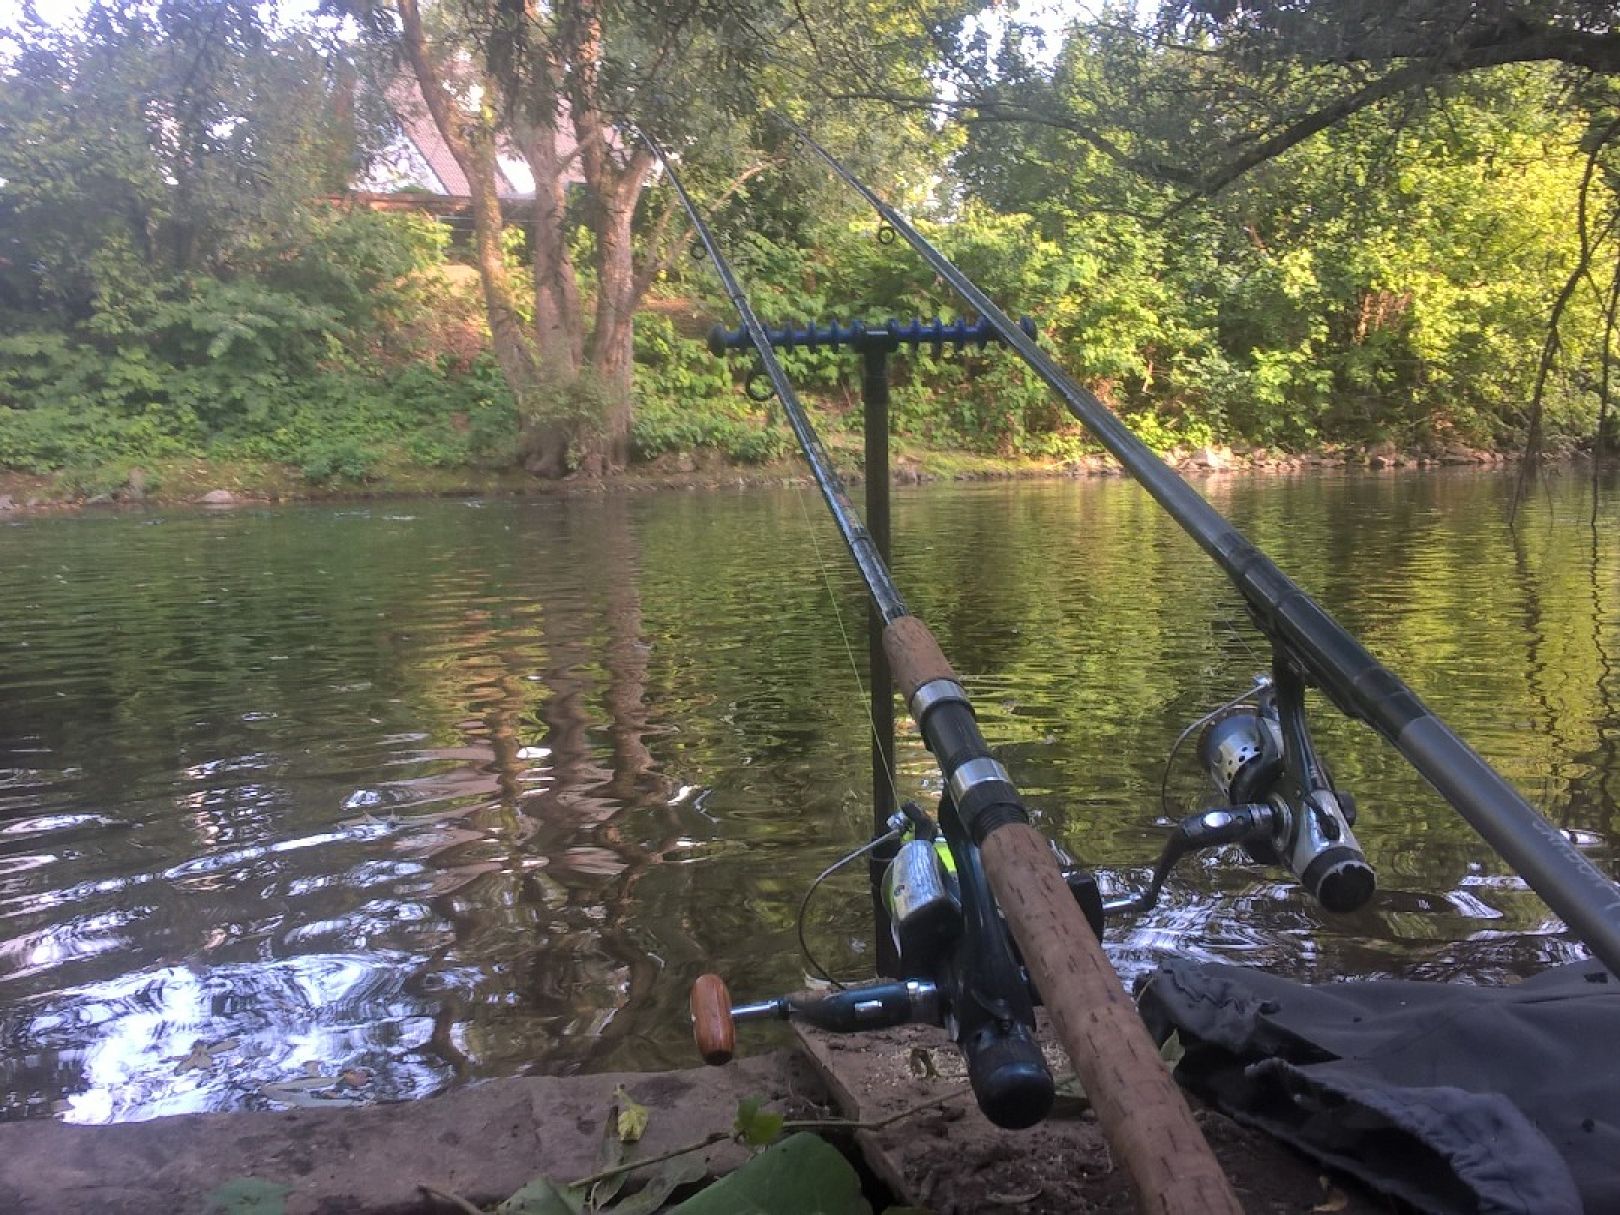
x=613 y=338
x=615 y=177
x=541 y=444
x=559 y=327
x=558 y=322
x=543 y=367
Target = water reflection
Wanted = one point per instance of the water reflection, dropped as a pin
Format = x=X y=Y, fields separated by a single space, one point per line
x=317 y=805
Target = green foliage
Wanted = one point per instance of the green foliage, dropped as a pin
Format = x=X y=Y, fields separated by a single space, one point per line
x=176 y=290
x=249 y=1196
x=542 y=1196
x=685 y=399
x=170 y=284
x=755 y=1126
x=802 y=1175
x=346 y=460
x=1389 y=279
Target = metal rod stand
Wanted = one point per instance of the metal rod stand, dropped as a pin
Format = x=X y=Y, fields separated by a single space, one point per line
x=875 y=398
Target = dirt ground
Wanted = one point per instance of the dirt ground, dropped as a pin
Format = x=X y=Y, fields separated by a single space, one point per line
x=952 y=1161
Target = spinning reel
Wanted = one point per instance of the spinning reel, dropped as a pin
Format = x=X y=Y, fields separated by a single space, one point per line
x=1280 y=804
x=958 y=967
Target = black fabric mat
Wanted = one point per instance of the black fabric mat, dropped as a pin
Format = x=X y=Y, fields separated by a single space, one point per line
x=1455 y=1099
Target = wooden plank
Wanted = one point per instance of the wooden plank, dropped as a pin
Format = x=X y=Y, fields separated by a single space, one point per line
x=482 y=1141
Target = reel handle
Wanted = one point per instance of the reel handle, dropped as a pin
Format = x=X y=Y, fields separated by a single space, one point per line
x=712 y=1027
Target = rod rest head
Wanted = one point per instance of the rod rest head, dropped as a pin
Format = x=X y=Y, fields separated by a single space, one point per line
x=858 y=335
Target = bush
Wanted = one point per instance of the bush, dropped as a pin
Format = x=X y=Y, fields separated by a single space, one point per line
x=345 y=459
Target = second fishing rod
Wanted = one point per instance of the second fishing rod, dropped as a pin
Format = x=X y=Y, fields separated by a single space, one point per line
x=1311 y=648
x=1142 y=1112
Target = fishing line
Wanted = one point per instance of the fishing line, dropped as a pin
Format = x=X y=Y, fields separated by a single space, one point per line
x=849 y=649
x=885 y=596
x=871 y=726
x=1319 y=652
x=804 y=903
x=871 y=722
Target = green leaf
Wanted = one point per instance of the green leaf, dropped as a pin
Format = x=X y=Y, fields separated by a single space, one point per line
x=610 y=1155
x=671 y=1175
x=1171 y=1050
x=754 y=1126
x=632 y=1116
x=249 y=1196
x=802 y=1175
x=543 y=1196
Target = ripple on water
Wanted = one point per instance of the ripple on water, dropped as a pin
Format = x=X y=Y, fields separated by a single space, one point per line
x=316 y=805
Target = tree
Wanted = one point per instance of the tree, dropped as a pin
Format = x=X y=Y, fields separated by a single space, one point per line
x=1357 y=54
x=174 y=275
x=1360 y=53
x=158 y=140
x=571 y=83
x=1209 y=106
x=555 y=85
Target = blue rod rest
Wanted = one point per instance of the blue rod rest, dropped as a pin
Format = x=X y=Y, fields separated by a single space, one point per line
x=857 y=335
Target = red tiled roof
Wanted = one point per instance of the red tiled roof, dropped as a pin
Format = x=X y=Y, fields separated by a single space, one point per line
x=417 y=125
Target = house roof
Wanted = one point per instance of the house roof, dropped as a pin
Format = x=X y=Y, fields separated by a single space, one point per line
x=423 y=159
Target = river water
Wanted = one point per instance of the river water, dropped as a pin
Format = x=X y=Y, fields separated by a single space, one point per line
x=344 y=803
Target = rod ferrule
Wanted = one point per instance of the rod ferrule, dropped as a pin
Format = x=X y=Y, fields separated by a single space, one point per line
x=985 y=797
x=934 y=693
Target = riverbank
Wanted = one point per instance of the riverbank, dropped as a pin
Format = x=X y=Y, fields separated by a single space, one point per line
x=244 y=482
x=916 y=1139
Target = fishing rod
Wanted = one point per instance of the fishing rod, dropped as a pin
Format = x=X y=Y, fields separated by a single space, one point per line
x=1310 y=646
x=1007 y=879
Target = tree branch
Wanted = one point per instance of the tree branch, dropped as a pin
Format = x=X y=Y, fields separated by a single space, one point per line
x=1551 y=343
x=982 y=111
x=1599 y=53
x=659 y=263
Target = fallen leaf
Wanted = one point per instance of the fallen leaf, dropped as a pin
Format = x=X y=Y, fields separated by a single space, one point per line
x=249 y=1196
x=198 y=1060
x=301 y=1084
x=1172 y=1050
x=670 y=1176
x=921 y=1063
x=1069 y=1097
x=543 y=1196
x=802 y=1175
x=610 y=1155
x=632 y=1116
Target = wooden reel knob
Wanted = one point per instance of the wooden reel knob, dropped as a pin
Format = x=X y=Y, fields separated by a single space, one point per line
x=712 y=1027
